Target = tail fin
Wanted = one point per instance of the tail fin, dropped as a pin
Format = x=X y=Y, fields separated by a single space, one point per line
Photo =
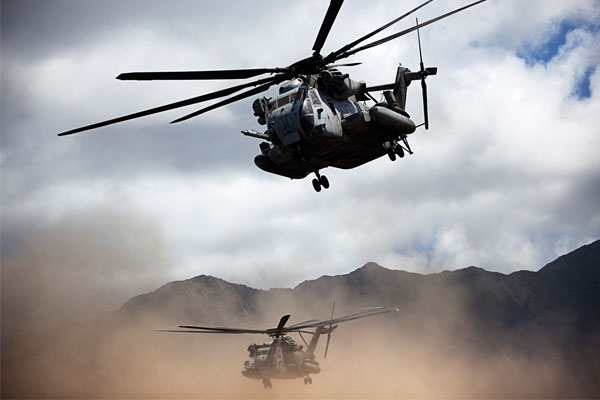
x=400 y=86
x=321 y=330
x=315 y=339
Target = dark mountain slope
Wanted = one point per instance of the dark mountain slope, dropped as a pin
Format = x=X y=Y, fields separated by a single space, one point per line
x=203 y=298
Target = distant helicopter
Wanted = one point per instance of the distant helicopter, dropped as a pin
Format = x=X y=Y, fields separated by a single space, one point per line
x=280 y=357
x=320 y=117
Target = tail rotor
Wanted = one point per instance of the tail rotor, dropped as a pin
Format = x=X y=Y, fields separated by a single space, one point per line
x=423 y=73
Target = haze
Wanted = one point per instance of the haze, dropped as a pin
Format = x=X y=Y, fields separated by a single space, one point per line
x=507 y=177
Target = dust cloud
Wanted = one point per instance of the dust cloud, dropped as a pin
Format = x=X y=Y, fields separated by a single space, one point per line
x=431 y=348
x=88 y=262
x=389 y=356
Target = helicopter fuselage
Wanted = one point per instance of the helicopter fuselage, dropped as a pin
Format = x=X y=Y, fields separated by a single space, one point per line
x=280 y=358
x=309 y=129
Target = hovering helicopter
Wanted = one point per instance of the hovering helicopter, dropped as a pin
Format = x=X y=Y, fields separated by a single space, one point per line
x=280 y=357
x=320 y=117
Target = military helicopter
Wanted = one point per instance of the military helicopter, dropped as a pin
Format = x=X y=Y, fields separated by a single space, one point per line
x=280 y=357
x=320 y=117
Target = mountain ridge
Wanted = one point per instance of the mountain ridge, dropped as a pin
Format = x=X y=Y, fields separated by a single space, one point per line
x=496 y=301
x=518 y=296
x=374 y=266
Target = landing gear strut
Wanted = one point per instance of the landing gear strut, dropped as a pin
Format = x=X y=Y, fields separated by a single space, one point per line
x=396 y=149
x=320 y=181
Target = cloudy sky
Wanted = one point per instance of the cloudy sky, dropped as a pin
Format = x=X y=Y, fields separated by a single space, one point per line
x=507 y=177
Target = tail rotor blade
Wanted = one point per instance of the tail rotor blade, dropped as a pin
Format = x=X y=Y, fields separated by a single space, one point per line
x=330 y=329
x=419 y=40
x=327 y=345
x=424 y=89
x=424 y=74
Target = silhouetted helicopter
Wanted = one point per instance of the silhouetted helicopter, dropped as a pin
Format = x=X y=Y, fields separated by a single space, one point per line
x=280 y=357
x=320 y=117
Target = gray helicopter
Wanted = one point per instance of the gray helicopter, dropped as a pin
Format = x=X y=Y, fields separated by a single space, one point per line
x=280 y=357
x=320 y=117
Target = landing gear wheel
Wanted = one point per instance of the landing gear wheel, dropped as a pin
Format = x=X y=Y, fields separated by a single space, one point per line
x=309 y=380
x=320 y=181
x=391 y=154
x=399 y=150
x=324 y=181
x=267 y=383
x=305 y=381
x=316 y=184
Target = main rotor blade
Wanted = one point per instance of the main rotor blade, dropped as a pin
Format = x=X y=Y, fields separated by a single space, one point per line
x=362 y=314
x=222 y=330
x=333 y=56
x=310 y=321
x=354 y=64
x=281 y=324
x=230 y=100
x=178 y=104
x=214 y=332
x=404 y=32
x=332 y=12
x=198 y=75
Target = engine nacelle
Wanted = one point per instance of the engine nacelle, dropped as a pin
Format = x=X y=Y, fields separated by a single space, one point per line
x=338 y=85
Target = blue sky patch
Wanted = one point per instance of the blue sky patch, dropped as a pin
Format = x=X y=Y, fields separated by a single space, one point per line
x=546 y=51
x=557 y=38
x=582 y=86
